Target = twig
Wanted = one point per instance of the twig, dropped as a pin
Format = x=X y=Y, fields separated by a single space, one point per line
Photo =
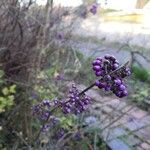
x=23 y=140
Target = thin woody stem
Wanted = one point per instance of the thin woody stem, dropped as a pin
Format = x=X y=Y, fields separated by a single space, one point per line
x=91 y=86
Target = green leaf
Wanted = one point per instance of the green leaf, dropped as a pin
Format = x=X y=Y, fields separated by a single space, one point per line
x=12 y=89
x=1 y=73
x=144 y=93
x=51 y=71
x=10 y=100
x=5 y=91
x=2 y=104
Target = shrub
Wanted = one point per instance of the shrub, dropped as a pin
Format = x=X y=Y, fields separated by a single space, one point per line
x=140 y=73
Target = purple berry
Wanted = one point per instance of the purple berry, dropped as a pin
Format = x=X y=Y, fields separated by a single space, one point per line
x=96 y=68
x=66 y=110
x=112 y=58
x=107 y=56
x=96 y=62
x=59 y=134
x=97 y=82
x=108 y=77
x=122 y=87
x=77 y=136
x=45 y=127
x=54 y=120
x=118 y=94
x=117 y=81
x=99 y=58
x=94 y=6
x=99 y=73
x=46 y=102
x=86 y=102
x=115 y=66
x=127 y=71
x=93 y=9
x=103 y=84
x=124 y=92
x=56 y=102
x=107 y=88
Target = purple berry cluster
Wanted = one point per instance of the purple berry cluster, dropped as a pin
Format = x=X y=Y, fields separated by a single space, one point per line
x=77 y=136
x=42 y=109
x=77 y=103
x=111 y=76
x=59 y=133
x=93 y=9
x=107 y=68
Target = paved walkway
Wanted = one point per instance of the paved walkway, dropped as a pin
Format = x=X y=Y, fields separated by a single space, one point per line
x=124 y=126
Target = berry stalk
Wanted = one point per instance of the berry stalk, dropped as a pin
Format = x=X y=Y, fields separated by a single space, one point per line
x=110 y=78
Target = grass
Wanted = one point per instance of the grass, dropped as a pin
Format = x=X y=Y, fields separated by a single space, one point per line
x=140 y=73
x=139 y=87
x=138 y=93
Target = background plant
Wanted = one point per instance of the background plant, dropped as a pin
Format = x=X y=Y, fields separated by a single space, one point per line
x=34 y=47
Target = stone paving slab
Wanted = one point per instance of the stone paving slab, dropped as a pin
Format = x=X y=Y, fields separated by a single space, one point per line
x=132 y=140
x=129 y=131
x=114 y=103
x=107 y=110
x=144 y=134
x=126 y=108
x=134 y=125
x=138 y=148
x=146 y=118
x=145 y=146
x=115 y=133
x=138 y=113
x=118 y=145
